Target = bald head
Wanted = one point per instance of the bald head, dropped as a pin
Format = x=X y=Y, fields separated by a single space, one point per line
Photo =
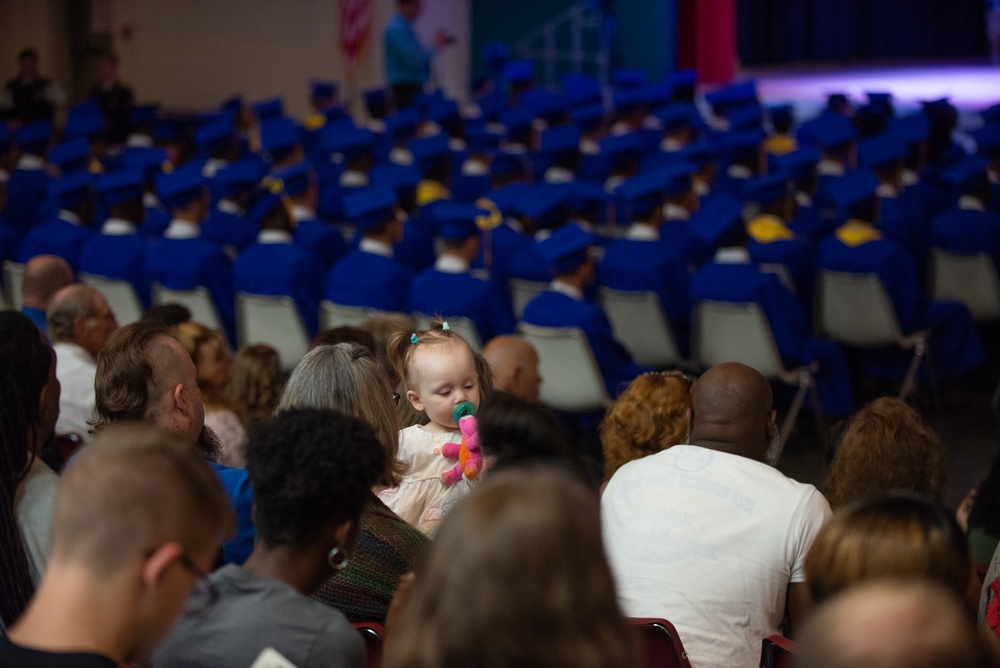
x=890 y=625
x=515 y=366
x=732 y=411
x=44 y=275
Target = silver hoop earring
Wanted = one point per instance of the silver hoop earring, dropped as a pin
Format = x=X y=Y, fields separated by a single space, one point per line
x=338 y=559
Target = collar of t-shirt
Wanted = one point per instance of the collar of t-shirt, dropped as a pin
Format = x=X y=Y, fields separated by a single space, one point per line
x=30 y=162
x=971 y=203
x=353 y=179
x=117 y=227
x=274 y=237
x=450 y=264
x=887 y=190
x=300 y=213
x=182 y=229
x=732 y=256
x=149 y=200
x=675 y=212
x=475 y=167
x=230 y=207
x=803 y=199
x=375 y=247
x=68 y=216
x=642 y=232
x=827 y=167
x=559 y=175
x=566 y=289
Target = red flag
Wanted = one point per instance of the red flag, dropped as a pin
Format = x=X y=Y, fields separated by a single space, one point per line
x=354 y=23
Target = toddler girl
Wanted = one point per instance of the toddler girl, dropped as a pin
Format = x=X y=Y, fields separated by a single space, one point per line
x=438 y=372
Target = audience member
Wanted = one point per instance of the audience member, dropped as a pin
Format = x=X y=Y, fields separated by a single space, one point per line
x=900 y=536
x=344 y=334
x=114 y=97
x=44 y=275
x=255 y=382
x=347 y=378
x=311 y=471
x=144 y=374
x=29 y=394
x=652 y=414
x=709 y=535
x=80 y=323
x=885 y=446
x=514 y=433
x=136 y=525
x=207 y=348
x=536 y=602
x=168 y=314
x=891 y=625
x=514 y=362
x=29 y=96
x=382 y=326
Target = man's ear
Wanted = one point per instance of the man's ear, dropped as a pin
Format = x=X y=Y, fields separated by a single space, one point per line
x=181 y=400
x=414 y=400
x=158 y=562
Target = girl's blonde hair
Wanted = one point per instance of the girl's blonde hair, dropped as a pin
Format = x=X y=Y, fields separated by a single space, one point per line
x=255 y=382
x=193 y=336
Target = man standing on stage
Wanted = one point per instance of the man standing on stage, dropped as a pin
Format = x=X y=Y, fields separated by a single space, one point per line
x=407 y=61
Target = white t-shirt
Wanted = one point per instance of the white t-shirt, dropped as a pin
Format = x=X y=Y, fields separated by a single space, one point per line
x=710 y=542
x=33 y=504
x=75 y=369
x=422 y=499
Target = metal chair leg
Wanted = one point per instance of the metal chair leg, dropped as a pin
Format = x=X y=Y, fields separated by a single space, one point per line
x=909 y=383
x=824 y=441
x=805 y=381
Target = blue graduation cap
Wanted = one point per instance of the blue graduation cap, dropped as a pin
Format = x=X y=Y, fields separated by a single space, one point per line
x=742 y=142
x=517 y=119
x=296 y=178
x=797 y=164
x=733 y=95
x=627 y=78
x=71 y=156
x=675 y=177
x=991 y=114
x=518 y=71
x=370 y=206
x=142 y=114
x=853 y=188
x=580 y=89
x=481 y=140
x=122 y=186
x=238 y=177
x=967 y=175
x=168 y=130
x=558 y=140
x=678 y=115
x=457 y=221
x=832 y=131
x=587 y=196
x=401 y=125
x=493 y=103
x=322 y=90
x=881 y=101
x=509 y=198
x=495 y=54
x=683 y=77
x=336 y=112
x=745 y=117
x=443 y=111
x=766 y=189
x=545 y=203
x=620 y=149
x=71 y=190
x=349 y=141
x=699 y=153
x=266 y=109
x=397 y=177
x=543 y=102
x=429 y=151
x=988 y=140
x=232 y=105
x=277 y=134
x=84 y=120
x=642 y=193
x=214 y=135
x=33 y=137
x=148 y=160
x=587 y=117
x=506 y=163
x=717 y=219
x=269 y=195
x=624 y=99
x=782 y=115
x=658 y=94
x=836 y=101
x=376 y=101
x=181 y=186
x=911 y=129
x=566 y=249
x=883 y=149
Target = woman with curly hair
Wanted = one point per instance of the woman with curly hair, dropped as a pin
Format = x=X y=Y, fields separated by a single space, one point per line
x=256 y=381
x=885 y=446
x=653 y=413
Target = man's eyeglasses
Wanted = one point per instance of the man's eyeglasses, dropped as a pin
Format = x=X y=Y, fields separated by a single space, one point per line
x=204 y=593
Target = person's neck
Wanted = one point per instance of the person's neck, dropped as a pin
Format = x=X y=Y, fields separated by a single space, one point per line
x=435 y=428
x=729 y=446
x=302 y=569
x=72 y=611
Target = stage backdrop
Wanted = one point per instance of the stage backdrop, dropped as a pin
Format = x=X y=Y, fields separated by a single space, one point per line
x=787 y=31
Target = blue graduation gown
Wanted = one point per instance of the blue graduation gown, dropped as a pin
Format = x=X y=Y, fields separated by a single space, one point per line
x=228 y=229
x=435 y=292
x=282 y=269
x=121 y=256
x=366 y=279
x=321 y=240
x=55 y=237
x=968 y=231
x=26 y=190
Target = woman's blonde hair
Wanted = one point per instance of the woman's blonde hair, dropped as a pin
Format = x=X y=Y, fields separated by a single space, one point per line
x=193 y=336
x=652 y=414
x=886 y=446
x=256 y=381
x=900 y=536
x=516 y=576
x=347 y=378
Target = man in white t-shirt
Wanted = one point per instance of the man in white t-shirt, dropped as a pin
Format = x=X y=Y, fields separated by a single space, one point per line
x=708 y=535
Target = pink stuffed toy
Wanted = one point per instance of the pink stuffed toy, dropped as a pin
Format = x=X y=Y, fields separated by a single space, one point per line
x=470 y=459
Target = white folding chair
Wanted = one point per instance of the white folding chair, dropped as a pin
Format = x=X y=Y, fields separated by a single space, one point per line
x=456 y=323
x=971 y=279
x=640 y=324
x=274 y=320
x=781 y=271
x=120 y=294
x=572 y=380
x=340 y=315
x=522 y=292
x=855 y=310
x=13 y=280
x=740 y=332
x=197 y=300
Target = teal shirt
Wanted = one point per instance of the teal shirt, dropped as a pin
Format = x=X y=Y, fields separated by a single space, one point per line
x=406 y=60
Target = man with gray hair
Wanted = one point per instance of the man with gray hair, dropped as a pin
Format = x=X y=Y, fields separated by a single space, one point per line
x=79 y=322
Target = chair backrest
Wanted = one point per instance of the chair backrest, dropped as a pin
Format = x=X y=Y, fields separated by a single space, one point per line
x=663 y=645
x=781 y=271
x=971 y=279
x=13 y=280
x=640 y=325
x=458 y=324
x=522 y=292
x=275 y=321
x=120 y=294
x=777 y=652
x=197 y=300
x=572 y=380
x=735 y=332
x=372 y=633
x=339 y=315
x=855 y=310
